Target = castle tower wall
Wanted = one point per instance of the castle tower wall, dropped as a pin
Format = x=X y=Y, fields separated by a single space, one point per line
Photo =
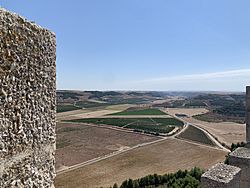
x=27 y=103
x=221 y=176
x=248 y=116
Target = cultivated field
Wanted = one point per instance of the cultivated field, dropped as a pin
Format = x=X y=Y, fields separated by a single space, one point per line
x=225 y=132
x=218 y=118
x=77 y=143
x=196 y=135
x=90 y=104
x=65 y=108
x=188 y=111
x=145 y=112
x=163 y=157
x=156 y=125
x=92 y=112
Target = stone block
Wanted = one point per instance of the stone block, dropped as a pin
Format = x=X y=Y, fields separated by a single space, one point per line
x=221 y=176
x=241 y=158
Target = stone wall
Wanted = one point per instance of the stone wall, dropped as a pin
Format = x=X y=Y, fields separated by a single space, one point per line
x=221 y=176
x=27 y=103
x=241 y=158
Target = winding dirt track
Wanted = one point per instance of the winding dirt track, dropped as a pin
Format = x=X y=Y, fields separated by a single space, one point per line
x=226 y=132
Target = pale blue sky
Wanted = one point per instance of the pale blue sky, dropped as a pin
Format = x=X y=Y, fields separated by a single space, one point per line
x=146 y=44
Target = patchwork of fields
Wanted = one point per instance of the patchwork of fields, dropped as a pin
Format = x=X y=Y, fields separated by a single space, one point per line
x=148 y=111
x=77 y=143
x=156 y=125
x=225 y=132
x=98 y=131
x=163 y=157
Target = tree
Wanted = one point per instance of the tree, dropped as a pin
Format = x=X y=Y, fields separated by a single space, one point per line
x=130 y=184
x=124 y=184
x=115 y=185
x=181 y=179
x=136 y=184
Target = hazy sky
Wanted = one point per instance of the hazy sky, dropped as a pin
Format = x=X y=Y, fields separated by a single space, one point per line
x=146 y=44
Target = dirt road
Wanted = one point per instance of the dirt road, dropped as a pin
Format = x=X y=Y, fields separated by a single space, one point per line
x=226 y=132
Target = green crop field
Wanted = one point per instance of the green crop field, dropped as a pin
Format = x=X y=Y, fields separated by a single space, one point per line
x=65 y=108
x=151 y=128
x=149 y=111
x=152 y=125
x=194 y=134
x=120 y=122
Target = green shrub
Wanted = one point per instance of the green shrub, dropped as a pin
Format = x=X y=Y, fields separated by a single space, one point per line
x=181 y=179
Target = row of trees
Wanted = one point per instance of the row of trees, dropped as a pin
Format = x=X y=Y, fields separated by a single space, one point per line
x=180 y=179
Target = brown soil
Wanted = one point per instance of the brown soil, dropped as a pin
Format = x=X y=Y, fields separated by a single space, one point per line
x=225 y=132
x=91 y=112
x=77 y=143
x=163 y=157
x=188 y=111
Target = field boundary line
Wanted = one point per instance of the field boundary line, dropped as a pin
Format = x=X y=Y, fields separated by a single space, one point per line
x=211 y=137
x=129 y=124
x=116 y=128
x=198 y=144
x=202 y=129
x=98 y=159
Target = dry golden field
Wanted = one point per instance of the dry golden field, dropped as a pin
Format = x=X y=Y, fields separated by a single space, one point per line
x=162 y=157
x=77 y=143
x=91 y=112
x=225 y=132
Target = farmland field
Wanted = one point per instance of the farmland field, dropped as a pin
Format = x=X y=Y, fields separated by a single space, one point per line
x=225 y=132
x=92 y=112
x=65 y=108
x=194 y=134
x=148 y=111
x=90 y=104
x=217 y=118
x=188 y=111
x=163 y=157
x=195 y=103
x=77 y=143
x=161 y=125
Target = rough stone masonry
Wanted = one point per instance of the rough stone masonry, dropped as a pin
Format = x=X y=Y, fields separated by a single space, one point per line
x=248 y=116
x=27 y=103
